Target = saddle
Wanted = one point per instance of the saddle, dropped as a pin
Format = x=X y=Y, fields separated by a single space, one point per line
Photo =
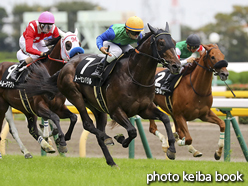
x=87 y=66
x=83 y=76
x=8 y=82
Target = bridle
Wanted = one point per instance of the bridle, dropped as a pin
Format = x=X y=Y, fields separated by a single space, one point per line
x=219 y=64
x=156 y=55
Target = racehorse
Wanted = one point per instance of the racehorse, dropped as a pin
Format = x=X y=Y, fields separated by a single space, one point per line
x=40 y=105
x=128 y=91
x=192 y=98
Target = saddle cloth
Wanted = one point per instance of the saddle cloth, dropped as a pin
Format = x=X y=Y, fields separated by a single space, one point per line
x=8 y=82
x=87 y=66
x=160 y=79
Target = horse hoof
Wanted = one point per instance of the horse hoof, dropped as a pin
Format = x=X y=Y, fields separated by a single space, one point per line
x=170 y=155
x=28 y=156
x=119 y=138
x=216 y=156
x=165 y=149
x=63 y=149
x=197 y=154
x=108 y=141
x=49 y=149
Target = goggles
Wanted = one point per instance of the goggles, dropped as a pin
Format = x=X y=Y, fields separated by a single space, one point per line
x=192 y=47
x=45 y=27
x=134 y=33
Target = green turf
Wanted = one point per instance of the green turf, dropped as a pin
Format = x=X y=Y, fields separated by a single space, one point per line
x=71 y=171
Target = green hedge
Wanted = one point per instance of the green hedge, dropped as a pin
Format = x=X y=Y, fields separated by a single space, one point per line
x=8 y=56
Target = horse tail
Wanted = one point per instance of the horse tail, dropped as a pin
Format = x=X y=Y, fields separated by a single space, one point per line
x=39 y=82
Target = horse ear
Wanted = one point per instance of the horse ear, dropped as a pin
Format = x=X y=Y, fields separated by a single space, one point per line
x=167 y=29
x=153 y=30
x=61 y=33
x=205 y=46
x=76 y=32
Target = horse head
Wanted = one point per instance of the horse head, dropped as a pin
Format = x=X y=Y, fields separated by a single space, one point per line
x=68 y=41
x=163 y=48
x=215 y=61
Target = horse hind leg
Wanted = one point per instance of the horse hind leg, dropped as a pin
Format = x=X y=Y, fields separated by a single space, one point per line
x=33 y=130
x=14 y=133
x=101 y=121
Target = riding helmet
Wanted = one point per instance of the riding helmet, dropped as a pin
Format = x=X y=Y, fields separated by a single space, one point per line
x=46 y=17
x=193 y=40
x=135 y=23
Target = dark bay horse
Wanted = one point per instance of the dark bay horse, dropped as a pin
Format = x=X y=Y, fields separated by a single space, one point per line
x=40 y=105
x=192 y=98
x=128 y=91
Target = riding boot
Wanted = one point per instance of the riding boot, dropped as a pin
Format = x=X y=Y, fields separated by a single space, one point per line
x=99 y=69
x=21 y=66
x=166 y=86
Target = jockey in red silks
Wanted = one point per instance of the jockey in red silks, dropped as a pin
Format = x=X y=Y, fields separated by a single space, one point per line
x=31 y=42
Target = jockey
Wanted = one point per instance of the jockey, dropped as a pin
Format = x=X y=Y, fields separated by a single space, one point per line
x=118 y=37
x=184 y=51
x=31 y=42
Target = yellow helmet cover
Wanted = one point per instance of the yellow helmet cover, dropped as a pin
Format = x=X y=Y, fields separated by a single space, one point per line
x=135 y=23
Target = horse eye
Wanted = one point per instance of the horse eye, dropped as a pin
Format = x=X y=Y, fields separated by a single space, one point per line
x=212 y=57
x=161 y=43
x=68 y=45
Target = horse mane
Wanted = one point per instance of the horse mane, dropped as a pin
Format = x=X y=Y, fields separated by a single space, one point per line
x=52 y=41
x=147 y=35
x=190 y=67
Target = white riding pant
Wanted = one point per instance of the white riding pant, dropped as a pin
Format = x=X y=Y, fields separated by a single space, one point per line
x=22 y=54
x=115 y=50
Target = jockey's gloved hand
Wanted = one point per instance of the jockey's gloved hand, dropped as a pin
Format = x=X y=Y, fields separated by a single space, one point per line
x=45 y=54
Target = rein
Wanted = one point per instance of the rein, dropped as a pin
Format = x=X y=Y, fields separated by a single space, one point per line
x=58 y=60
x=136 y=82
x=207 y=69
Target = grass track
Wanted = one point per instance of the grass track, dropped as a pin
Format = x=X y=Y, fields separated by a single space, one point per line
x=70 y=171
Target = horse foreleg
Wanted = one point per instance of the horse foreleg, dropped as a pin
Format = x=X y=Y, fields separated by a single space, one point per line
x=14 y=133
x=180 y=139
x=154 y=130
x=152 y=112
x=121 y=118
x=33 y=130
x=213 y=118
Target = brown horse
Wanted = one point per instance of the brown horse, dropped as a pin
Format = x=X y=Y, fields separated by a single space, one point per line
x=128 y=91
x=40 y=105
x=192 y=98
